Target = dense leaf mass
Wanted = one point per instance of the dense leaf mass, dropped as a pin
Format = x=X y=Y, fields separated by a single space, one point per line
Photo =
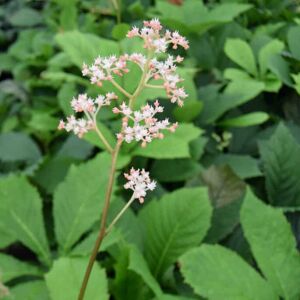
x=223 y=220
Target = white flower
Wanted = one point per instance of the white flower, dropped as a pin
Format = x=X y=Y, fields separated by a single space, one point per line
x=139 y=182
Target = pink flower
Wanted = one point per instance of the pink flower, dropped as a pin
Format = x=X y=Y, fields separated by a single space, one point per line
x=145 y=126
x=139 y=182
x=157 y=40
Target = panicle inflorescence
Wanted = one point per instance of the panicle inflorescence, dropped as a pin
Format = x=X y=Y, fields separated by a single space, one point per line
x=145 y=126
x=90 y=107
x=157 y=40
x=139 y=182
x=158 y=71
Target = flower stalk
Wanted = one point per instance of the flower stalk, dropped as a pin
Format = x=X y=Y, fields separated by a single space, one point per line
x=140 y=125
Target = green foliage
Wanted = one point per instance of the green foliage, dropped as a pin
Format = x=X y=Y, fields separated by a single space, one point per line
x=238 y=128
x=281 y=158
x=76 y=209
x=266 y=228
x=215 y=272
x=69 y=272
x=174 y=224
x=24 y=218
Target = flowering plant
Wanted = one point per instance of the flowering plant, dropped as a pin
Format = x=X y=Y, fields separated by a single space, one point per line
x=140 y=125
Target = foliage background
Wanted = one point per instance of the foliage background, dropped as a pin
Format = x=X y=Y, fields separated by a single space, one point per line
x=202 y=233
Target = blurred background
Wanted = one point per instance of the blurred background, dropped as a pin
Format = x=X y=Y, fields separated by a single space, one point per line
x=241 y=121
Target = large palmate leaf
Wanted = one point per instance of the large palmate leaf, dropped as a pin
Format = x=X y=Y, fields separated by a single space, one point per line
x=266 y=228
x=173 y=225
x=21 y=212
x=281 y=160
x=11 y=268
x=174 y=145
x=217 y=273
x=85 y=47
x=78 y=200
x=65 y=278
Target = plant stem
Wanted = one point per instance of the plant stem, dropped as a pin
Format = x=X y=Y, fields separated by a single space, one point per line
x=102 y=230
x=142 y=81
x=119 y=215
x=153 y=86
x=121 y=89
x=103 y=139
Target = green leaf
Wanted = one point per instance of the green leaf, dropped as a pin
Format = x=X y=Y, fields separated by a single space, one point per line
x=26 y=17
x=246 y=120
x=11 y=268
x=218 y=273
x=226 y=191
x=21 y=212
x=65 y=278
x=280 y=68
x=243 y=165
x=224 y=186
x=173 y=145
x=216 y=104
x=120 y=30
x=7 y=238
x=266 y=228
x=194 y=16
x=188 y=112
x=78 y=200
x=174 y=224
x=281 y=160
x=293 y=37
x=173 y=170
x=85 y=47
x=93 y=138
x=273 y=47
x=138 y=265
x=241 y=53
x=85 y=247
x=33 y=290
x=17 y=146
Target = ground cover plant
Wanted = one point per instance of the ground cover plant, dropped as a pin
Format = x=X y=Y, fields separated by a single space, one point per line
x=209 y=204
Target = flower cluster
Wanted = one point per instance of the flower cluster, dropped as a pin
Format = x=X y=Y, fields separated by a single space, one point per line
x=166 y=70
x=145 y=126
x=78 y=126
x=156 y=40
x=90 y=107
x=103 y=68
x=139 y=182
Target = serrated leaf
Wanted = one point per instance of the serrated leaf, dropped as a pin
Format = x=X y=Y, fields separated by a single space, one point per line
x=11 y=268
x=240 y=52
x=218 y=273
x=266 y=228
x=174 y=224
x=173 y=145
x=281 y=160
x=21 y=212
x=138 y=265
x=78 y=200
x=65 y=278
